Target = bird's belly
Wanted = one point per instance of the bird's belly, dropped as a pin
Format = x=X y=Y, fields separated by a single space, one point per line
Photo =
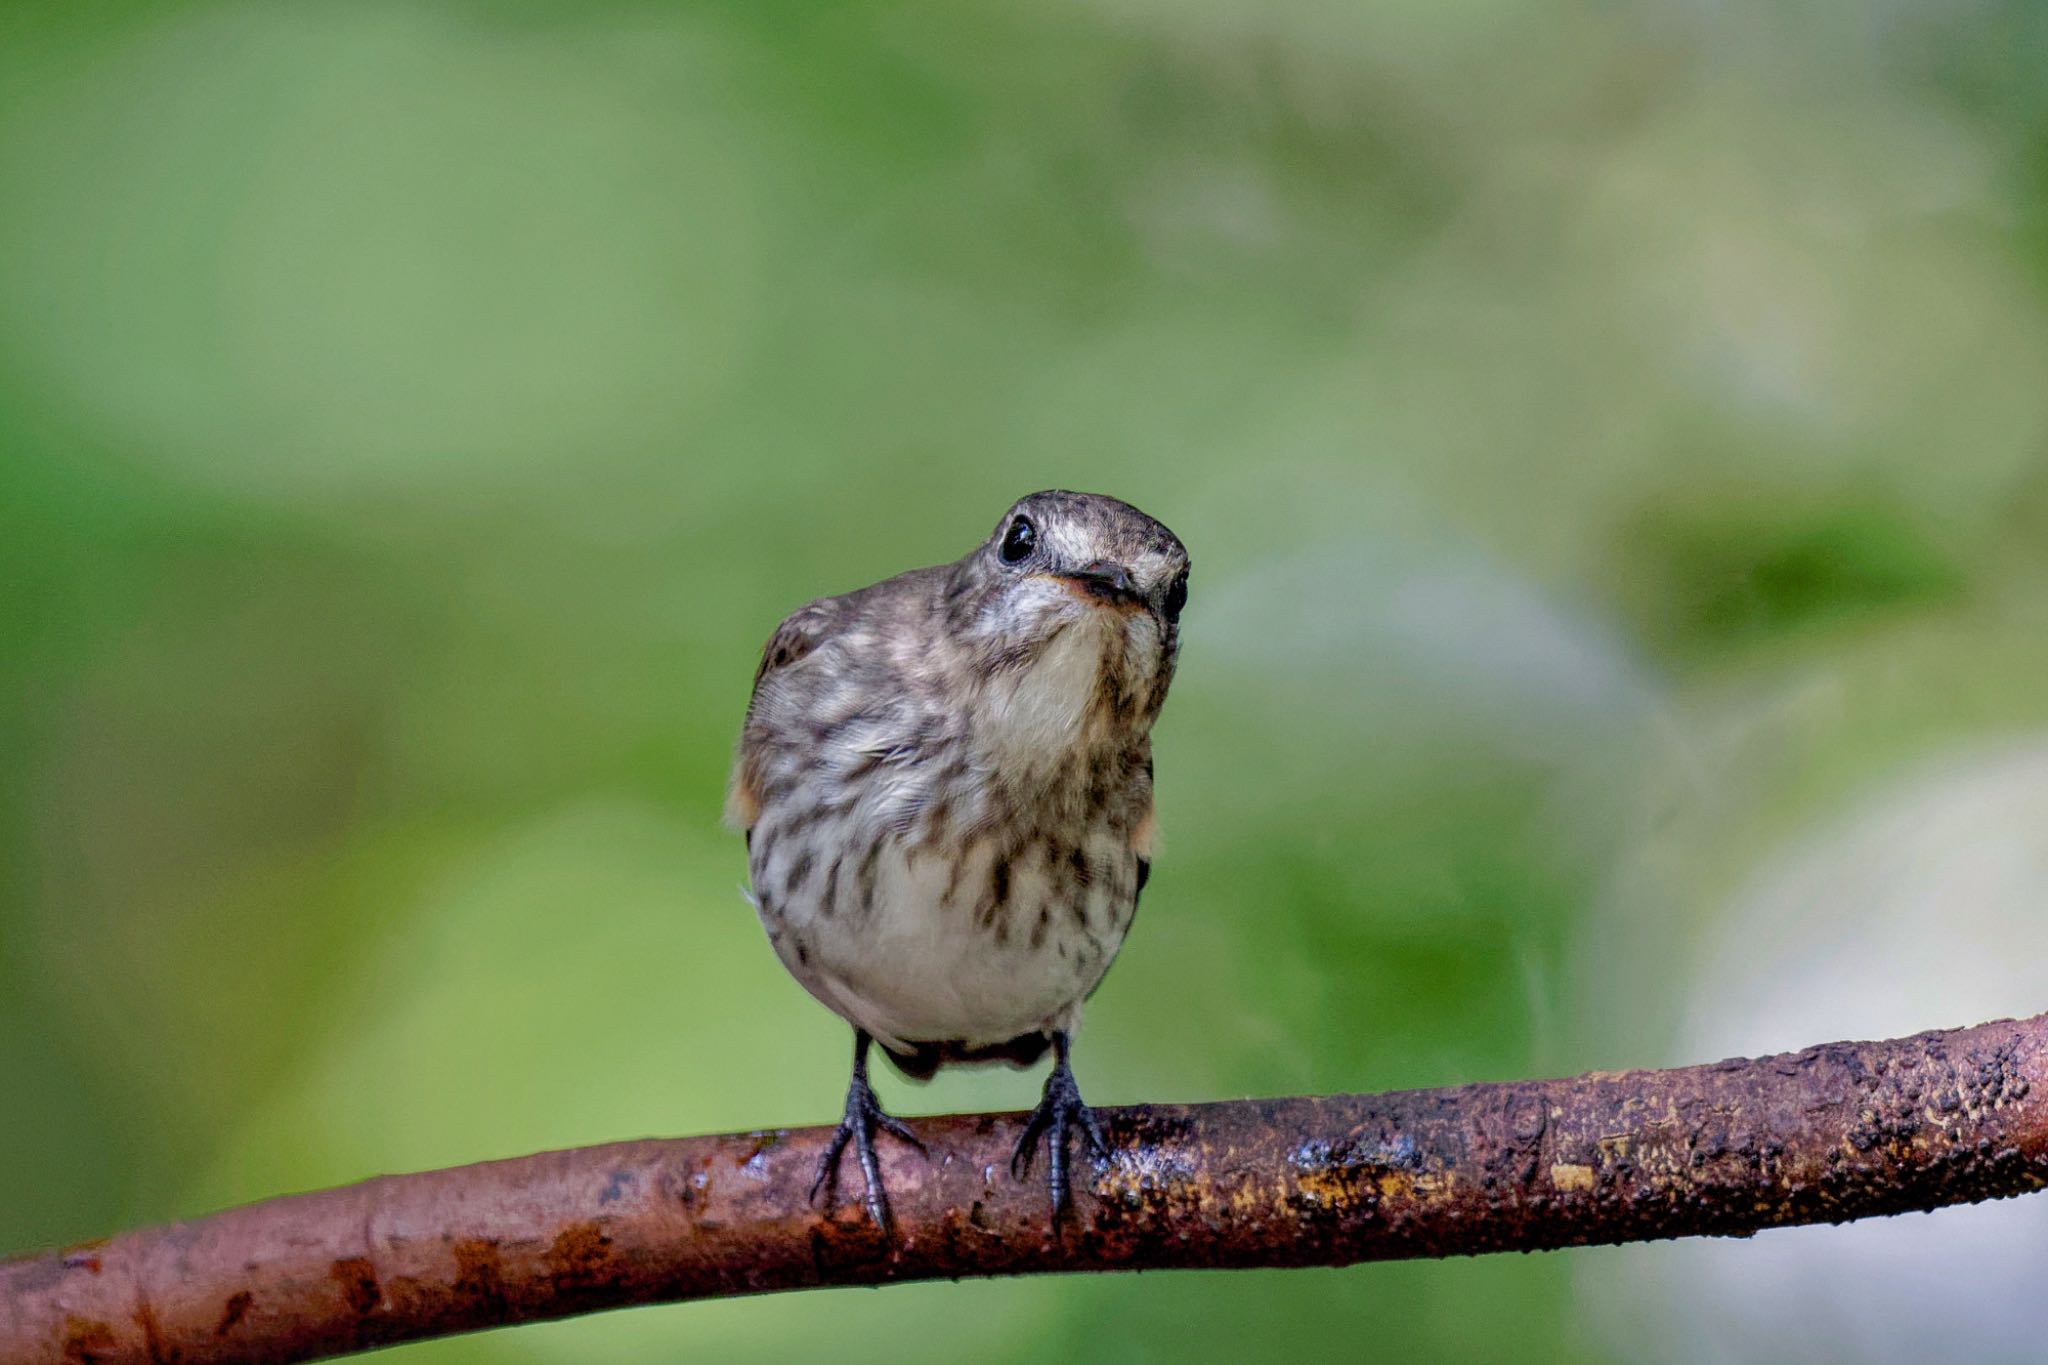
x=977 y=947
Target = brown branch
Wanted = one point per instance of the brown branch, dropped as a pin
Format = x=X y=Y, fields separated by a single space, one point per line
x=1846 y=1130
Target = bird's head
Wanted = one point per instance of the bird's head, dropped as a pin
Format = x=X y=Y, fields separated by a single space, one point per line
x=1078 y=576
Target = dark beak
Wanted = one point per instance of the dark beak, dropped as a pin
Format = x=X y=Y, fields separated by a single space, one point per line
x=1107 y=581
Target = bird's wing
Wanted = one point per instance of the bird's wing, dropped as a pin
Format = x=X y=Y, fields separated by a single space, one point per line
x=1144 y=835
x=795 y=638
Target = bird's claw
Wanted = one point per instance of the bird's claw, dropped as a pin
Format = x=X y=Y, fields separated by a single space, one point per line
x=864 y=1114
x=1057 y=1113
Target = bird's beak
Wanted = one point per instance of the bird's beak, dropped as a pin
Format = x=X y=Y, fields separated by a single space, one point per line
x=1106 y=582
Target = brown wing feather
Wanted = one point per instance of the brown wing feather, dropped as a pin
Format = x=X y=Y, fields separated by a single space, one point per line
x=797 y=636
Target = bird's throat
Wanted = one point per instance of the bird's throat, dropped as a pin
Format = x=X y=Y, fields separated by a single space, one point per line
x=1041 y=714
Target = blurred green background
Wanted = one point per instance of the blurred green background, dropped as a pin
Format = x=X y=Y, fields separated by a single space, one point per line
x=1612 y=440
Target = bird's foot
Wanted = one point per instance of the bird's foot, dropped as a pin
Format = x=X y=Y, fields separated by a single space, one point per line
x=1059 y=1111
x=863 y=1116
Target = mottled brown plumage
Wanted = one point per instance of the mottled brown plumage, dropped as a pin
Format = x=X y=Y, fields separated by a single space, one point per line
x=946 y=784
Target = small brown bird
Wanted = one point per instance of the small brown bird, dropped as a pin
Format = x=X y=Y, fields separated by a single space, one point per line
x=946 y=786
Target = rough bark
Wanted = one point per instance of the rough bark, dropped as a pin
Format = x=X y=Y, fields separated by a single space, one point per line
x=1840 y=1131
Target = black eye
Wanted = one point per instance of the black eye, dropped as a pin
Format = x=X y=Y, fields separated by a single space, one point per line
x=1176 y=597
x=1020 y=541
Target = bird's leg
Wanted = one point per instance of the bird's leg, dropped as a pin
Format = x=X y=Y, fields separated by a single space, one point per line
x=1060 y=1109
x=863 y=1116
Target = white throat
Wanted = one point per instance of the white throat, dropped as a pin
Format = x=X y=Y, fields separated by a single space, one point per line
x=1039 y=715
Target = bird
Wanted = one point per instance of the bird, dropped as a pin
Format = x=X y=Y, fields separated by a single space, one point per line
x=945 y=782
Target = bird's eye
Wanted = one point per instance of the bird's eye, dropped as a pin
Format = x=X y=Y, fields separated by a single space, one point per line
x=1020 y=541
x=1176 y=598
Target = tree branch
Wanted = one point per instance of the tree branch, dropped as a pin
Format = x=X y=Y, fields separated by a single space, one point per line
x=1841 y=1131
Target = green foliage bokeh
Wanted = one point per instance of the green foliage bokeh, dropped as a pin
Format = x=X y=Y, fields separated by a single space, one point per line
x=413 y=419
